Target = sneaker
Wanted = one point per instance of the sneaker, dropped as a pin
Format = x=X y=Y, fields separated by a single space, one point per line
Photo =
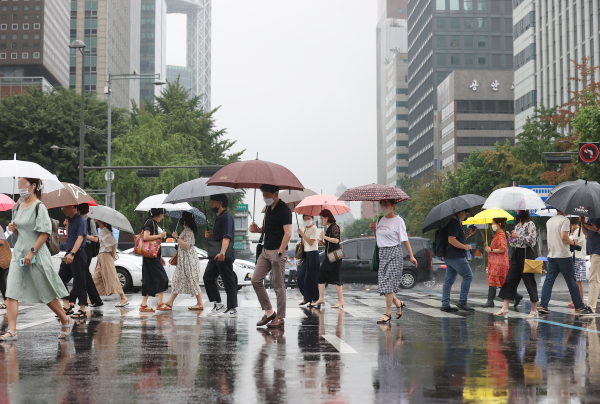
x=229 y=313
x=448 y=309
x=543 y=310
x=217 y=309
x=464 y=307
x=585 y=312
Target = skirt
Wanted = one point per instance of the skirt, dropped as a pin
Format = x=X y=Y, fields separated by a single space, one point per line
x=105 y=276
x=154 y=277
x=390 y=269
x=580 y=275
x=329 y=272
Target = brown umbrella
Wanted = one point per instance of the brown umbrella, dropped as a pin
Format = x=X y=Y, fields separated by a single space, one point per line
x=71 y=194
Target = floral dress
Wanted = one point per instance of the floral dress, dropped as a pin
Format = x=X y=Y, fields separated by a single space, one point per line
x=498 y=263
x=187 y=273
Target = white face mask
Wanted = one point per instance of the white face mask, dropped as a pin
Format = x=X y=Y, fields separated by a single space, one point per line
x=24 y=192
x=269 y=201
x=386 y=210
x=308 y=222
x=494 y=227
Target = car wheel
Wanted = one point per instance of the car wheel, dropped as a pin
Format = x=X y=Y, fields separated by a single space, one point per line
x=408 y=280
x=125 y=279
x=221 y=284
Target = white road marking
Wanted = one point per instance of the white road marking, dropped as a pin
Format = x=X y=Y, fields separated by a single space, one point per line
x=339 y=344
x=189 y=302
x=357 y=311
x=431 y=312
x=49 y=318
x=294 y=313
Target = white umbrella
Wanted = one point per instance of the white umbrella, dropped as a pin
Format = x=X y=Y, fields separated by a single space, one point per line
x=197 y=190
x=11 y=170
x=108 y=215
x=158 y=201
x=546 y=212
x=514 y=198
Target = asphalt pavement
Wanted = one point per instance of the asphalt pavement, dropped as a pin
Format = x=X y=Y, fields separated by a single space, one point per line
x=321 y=356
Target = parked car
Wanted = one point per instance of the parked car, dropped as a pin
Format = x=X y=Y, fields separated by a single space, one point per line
x=358 y=252
x=438 y=273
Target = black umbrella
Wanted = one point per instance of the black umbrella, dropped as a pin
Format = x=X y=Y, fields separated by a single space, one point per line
x=442 y=213
x=581 y=198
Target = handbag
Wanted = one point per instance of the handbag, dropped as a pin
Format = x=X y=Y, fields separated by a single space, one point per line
x=147 y=249
x=335 y=255
x=5 y=255
x=259 y=246
x=300 y=253
x=173 y=260
x=375 y=258
x=214 y=248
x=533 y=267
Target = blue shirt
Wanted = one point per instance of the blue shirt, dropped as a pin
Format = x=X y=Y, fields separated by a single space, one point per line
x=77 y=227
x=454 y=229
x=593 y=238
x=224 y=228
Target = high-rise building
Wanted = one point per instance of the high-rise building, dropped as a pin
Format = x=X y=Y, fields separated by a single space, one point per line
x=392 y=91
x=445 y=36
x=34 y=40
x=183 y=73
x=153 y=52
x=547 y=36
x=110 y=30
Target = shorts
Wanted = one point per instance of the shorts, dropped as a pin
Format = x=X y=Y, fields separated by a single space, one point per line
x=580 y=275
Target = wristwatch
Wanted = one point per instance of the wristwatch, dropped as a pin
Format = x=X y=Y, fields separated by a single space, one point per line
x=222 y=253
x=279 y=253
x=72 y=253
x=33 y=250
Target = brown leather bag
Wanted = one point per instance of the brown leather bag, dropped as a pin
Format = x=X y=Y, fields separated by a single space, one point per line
x=173 y=260
x=5 y=255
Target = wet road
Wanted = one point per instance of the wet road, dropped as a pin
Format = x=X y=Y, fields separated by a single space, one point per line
x=322 y=356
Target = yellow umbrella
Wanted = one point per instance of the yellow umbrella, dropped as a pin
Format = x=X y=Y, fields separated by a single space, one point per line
x=486 y=216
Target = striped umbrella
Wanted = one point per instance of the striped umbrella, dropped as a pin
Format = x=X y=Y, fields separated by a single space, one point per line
x=374 y=192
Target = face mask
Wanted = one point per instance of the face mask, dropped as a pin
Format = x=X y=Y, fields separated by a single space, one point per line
x=269 y=201
x=308 y=223
x=216 y=210
x=386 y=210
x=494 y=227
x=24 y=192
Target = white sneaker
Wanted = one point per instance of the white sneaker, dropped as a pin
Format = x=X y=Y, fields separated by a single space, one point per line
x=217 y=309
x=229 y=313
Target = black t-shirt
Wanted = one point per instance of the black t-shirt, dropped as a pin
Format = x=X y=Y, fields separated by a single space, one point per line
x=455 y=229
x=275 y=219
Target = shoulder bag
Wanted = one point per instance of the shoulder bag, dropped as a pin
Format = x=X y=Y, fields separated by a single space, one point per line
x=147 y=249
x=300 y=253
x=335 y=255
x=52 y=241
x=375 y=258
x=532 y=266
x=173 y=260
x=5 y=255
x=93 y=247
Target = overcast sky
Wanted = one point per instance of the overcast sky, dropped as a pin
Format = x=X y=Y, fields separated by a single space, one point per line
x=296 y=83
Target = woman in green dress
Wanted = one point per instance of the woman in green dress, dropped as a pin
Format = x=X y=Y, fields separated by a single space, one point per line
x=34 y=282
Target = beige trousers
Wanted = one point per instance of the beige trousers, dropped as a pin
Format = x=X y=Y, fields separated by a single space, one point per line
x=594 y=286
x=267 y=262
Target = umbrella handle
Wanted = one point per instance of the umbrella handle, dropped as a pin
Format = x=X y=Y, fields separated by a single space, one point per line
x=254 y=205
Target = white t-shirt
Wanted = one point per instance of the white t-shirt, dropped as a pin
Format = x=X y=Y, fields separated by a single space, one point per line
x=312 y=233
x=391 y=232
x=556 y=247
x=581 y=241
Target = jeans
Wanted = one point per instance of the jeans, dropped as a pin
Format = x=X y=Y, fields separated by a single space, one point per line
x=566 y=267
x=454 y=267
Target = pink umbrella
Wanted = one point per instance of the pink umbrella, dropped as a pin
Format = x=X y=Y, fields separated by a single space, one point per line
x=374 y=192
x=313 y=205
x=6 y=203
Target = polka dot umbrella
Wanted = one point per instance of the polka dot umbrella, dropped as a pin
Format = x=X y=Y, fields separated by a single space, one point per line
x=374 y=192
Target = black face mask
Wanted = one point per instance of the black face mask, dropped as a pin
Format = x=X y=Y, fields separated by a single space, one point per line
x=216 y=210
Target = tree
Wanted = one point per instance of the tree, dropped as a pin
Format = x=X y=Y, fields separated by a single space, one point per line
x=357 y=229
x=427 y=193
x=538 y=136
x=587 y=125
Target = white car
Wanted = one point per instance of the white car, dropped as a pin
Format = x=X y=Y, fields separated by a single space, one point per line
x=242 y=269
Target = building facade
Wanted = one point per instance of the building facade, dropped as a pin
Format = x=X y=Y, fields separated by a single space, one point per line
x=392 y=90
x=446 y=36
x=476 y=112
x=34 y=40
x=110 y=30
x=183 y=73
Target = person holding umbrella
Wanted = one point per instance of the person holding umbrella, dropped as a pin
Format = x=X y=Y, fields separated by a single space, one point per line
x=309 y=270
x=497 y=260
x=105 y=274
x=277 y=230
x=154 y=277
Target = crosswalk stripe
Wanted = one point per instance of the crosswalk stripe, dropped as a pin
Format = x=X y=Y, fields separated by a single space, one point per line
x=50 y=317
x=357 y=311
x=339 y=344
x=432 y=312
x=294 y=313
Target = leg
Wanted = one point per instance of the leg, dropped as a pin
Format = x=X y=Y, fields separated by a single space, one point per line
x=278 y=271
x=78 y=271
x=531 y=285
x=144 y=301
x=463 y=268
x=508 y=291
x=211 y=274
x=12 y=310
x=160 y=299
x=90 y=287
x=55 y=306
x=340 y=292
x=448 y=282
x=567 y=268
x=321 y=294
x=171 y=299
x=3 y=281
x=261 y=270
x=300 y=276
x=230 y=282
x=594 y=286
x=553 y=271
x=580 y=286
x=65 y=275
x=389 y=298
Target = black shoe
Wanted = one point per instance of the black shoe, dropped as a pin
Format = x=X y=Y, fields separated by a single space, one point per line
x=448 y=309
x=585 y=312
x=543 y=310
x=96 y=304
x=464 y=307
x=489 y=303
x=518 y=300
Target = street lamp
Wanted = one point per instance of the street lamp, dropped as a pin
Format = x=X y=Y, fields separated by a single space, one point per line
x=77 y=44
x=135 y=76
x=55 y=147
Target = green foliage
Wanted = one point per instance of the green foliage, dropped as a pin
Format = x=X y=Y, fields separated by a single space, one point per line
x=538 y=136
x=473 y=176
x=357 y=229
x=587 y=124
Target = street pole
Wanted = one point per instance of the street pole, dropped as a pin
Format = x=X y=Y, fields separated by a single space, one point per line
x=109 y=173
x=82 y=124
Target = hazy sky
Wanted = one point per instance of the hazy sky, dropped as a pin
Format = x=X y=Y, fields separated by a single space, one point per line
x=296 y=83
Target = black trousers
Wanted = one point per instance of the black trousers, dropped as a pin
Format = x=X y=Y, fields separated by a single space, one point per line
x=90 y=286
x=3 y=275
x=76 y=271
x=211 y=273
x=515 y=274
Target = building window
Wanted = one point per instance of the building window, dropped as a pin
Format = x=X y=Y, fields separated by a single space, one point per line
x=26 y=8
x=3 y=36
x=25 y=55
x=454 y=23
x=13 y=45
x=469 y=59
x=15 y=17
x=482 y=5
x=25 y=45
x=454 y=5
x=440 y=41
x=455 y=42
x=401 y=11
x=3 y=17
x=15 y=8
x=468 y=41
x=482 y=42
x=440 y=5
x=482 y=23
x=73 y=14
x=36 y=45
x=468 y=5
x=482 y=60
x=468 y=23
x=25 y=16
x=2 y=55
x=441 y=59
x=4 y=8
x=440 y=23
x=2 y=46
x=15 y=26
x=13 y=55
x=36 y=36
x=36 y=25
x=36 y=55
x=455 y=60
x=36 y=16
x=37 y=7
x=25 y=26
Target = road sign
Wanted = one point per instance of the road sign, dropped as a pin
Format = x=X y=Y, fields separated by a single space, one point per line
x=239 y=237
x=109 y=176
x=588 y=152
x=541 y=190
x=241 y=206
x=238 y=245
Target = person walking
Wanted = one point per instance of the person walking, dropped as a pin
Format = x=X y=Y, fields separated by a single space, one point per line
x=560 y=260
x=94 y=299
x=329 y=272
x=590 y=228
x=498 y=262
x=277 y=231
x=310 y=266
x=390 y=232
x=3 y=271
x=105 y=277
x=293 y=276
x=35 y=281
x=220 y=265
x=154 y=277
x=186 y=279
x=578 y=234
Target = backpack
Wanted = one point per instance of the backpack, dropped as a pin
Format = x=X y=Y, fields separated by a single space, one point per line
x=440 y=242
x=52 y=242
x=92 y=249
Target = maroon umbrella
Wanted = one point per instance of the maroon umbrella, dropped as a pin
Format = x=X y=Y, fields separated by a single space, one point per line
x=374 y=192
x=71 y=194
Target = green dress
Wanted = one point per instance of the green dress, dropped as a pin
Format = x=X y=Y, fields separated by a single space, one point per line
x=39 y=282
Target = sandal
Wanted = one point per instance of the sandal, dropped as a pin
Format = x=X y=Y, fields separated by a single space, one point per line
x=3 y=306
x=79 y=315
x=64 y=335
x=164 y=307
x=146 y=308
x=125 y=303
x=402 y=305
x=12 y=337
x=68 y=311
x=382 y=321
x=196 y=308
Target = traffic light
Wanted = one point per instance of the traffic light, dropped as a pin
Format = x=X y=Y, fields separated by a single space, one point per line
x=558 y=159
x=148 y=173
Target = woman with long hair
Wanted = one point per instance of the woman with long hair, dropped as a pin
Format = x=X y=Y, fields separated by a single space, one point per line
x=187 y=273
x=105 y=274
x=35 y=281
x=308 y=283
x=154 y=277
x=497 y=260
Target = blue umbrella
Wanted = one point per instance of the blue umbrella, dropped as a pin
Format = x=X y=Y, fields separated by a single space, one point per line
x=199 y=217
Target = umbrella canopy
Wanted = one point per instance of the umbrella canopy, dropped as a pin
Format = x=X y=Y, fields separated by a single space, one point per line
x=313 y=205
x=11 y=170
x=158 y=201
x=514 y=198
x=197 y=190
x=581 y=198
x=199 y=217
x=6 y=203
x=71 y=194
x=486 y=216
x=442 y=213
x=374 y=192
x=254 y=173
x=108 y=215
x=546 y=212
x=293 y=197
